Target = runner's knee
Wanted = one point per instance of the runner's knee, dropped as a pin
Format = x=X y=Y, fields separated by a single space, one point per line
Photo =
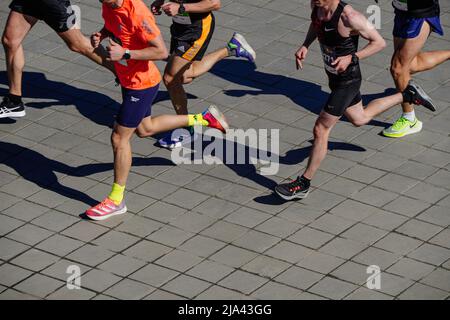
x=321 y=130
x=399 y=68
x=360 y=121
x=9 y=43
x=118 y=141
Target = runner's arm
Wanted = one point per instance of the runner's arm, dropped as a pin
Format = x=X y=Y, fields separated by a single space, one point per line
x=358 y=23
x=311 y=36
x=156 y=50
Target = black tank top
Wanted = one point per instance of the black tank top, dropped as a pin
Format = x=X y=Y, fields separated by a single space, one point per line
x=333 y=45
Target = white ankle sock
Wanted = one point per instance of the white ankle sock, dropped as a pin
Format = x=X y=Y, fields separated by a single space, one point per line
x=411 y=116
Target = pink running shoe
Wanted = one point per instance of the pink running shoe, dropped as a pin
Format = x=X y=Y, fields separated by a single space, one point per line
x=105 y=209
x=216 y=119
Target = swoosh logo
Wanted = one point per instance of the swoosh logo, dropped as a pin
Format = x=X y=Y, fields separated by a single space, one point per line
x=327 y=30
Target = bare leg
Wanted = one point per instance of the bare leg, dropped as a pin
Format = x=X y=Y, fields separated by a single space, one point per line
x=199 y=68
x=120 y=139
x=406 y=50
x=153 y=125
x=77 y=42
x=360 y=116
x=16 y=29
x=173 y=79
x=428 y=60
x=322 y=130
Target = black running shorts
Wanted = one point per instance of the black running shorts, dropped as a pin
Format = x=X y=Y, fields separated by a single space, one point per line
x=191 y=41
x=342 y=97
x=56 y=13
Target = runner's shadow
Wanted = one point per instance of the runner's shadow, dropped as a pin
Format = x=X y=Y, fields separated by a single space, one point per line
x=303 y=93
x=40 y=170
x=95 y=106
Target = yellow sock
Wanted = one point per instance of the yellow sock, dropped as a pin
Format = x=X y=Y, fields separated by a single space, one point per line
x=196 y=120
x=116 y=194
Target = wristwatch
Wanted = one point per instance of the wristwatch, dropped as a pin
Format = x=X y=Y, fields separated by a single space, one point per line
x=182 y=9
x=126 y=55
x=355 y=58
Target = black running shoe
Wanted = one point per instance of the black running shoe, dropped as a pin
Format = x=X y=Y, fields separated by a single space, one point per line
x=10 y=110
x=418 y=96
x=296 y=189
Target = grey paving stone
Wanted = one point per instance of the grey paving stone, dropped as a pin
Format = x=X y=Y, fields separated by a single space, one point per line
x=247 y=217
x=186 y=198
x=421 y=292
x=238 y=194
x=147 y=251
x=323 y=200
x=10 y=274
x=121 y=265
x=59 y=245
x=288 y=251
x=397 y=243
x=395 y=183
x=367 y=294
x=233 y=256
x=59 y=270
x=220 y=293
x=418 y=229
x=193 y=222
x=320 y=262
x=243 y=282
x=129 y=290
x=8 y=224
x=35 y=260
x=310 y=238
x=278 y=227
x=116 y=241
x=154 y=275
x=224 y=231
x=332 y=224
x=98 y=280
x=11 y=294
x=437 y=215
x=332 y=288
x=406 y=206
x=90 y=255
x=186 y=286
x=415 y=170
x=55 y=221
x=29 y=234
x=427 y=192
x=76 y=294
x=393 y=285
x=363 y=174
x=85 y=231
x=439 y=278
x=374 y=196
x=170 y=236
x=202 y=246
x=179 y=260
x=266 y=266
x=256 y=241
x=442 y=239
x=216 y=208
x=276 y=291
x=342 y=248
x=163 y=212
x=385 y=220
x=139 y=226
x=364 y=233
x=25 y=211
x=411 y=269
x=163 y=295
x=210 y=271
x=430 y=253
x=299 y=277
x=39 y=285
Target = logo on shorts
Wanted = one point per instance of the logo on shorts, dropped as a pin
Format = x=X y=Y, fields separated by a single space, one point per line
x=133 y=99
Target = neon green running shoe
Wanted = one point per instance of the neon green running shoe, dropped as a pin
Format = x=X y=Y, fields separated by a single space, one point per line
x=402 y=127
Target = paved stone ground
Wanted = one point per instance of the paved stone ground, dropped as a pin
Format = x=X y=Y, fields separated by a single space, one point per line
x=198 y=231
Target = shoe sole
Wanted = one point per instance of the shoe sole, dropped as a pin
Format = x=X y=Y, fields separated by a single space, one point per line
x=424 y=95
x=417 y=128
x=100 y=218
x=13 y=115
x=178 y=144
x=247 y=47
x=219 y=117
x=298 y=196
